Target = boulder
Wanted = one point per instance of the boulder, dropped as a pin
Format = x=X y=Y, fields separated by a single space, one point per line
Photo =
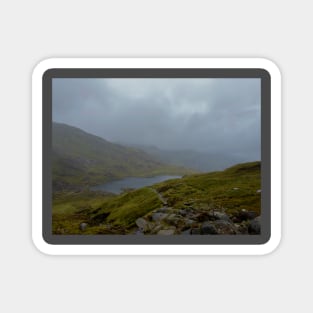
x=158 y=216
x=173 y=219
x=219 y=216
x=170 y=217
x=202 y=216
x=142 y=224
x=242 y=228
x=244 y=215
x=208 y=228
x=178 y=222
x=225 y=228
x=156 y=229
x=254 y=227
x=166 y=232
x=83 y=226
x=190 y=222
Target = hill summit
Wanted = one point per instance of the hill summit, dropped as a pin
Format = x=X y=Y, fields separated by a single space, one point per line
x=80 y=159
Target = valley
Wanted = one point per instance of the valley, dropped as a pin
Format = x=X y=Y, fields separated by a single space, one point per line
x=224 y=202
x=81 y=160
x=100 y=187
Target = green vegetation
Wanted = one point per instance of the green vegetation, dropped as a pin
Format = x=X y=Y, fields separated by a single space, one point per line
x=126 y=208
x=70 y=209
x=231 y=190
x=71 y=202
x=80 y=160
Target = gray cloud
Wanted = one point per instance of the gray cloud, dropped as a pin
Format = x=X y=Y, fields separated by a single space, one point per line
x=214 y=115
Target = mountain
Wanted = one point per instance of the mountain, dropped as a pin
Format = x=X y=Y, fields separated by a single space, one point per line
x=197 y=160
x=80 y=159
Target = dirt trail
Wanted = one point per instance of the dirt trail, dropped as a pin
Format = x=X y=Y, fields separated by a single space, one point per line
x=162 y=199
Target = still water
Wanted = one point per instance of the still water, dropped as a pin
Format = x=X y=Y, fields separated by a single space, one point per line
x=117 y=186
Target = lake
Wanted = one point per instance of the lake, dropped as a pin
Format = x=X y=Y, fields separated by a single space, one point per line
x=117 y=186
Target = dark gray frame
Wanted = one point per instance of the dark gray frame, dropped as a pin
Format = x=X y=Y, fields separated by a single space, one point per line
x=157 y=73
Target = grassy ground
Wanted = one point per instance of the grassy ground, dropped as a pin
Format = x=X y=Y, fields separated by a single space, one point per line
x=120 y=212
x=71 y=202
x=231 y=190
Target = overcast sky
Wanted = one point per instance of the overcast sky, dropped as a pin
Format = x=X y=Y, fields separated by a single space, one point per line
x=214 y=115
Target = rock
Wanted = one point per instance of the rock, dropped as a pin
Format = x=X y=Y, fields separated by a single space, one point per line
x=225 y=228
x=178 y=222
x=254 y=227
x=182 y=212
x=249 y=215
x=195 y=231
x=235 y=188
x=208 y=228
x=242 y=228
x=173 y=219
x=202 y=217
x=164 y=210
x=156 y=229
x=166 y=232
x=259 y=190
x=186 y=232
x=158 y=216
x=190 y=222
x=83 y=226
x=187 y=224
x=236 y=219
x=219 y=216
x=142 y=224
x=244 y=215
x=170 y=217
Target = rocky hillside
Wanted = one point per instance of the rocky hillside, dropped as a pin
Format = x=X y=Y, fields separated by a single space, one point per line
x=226 y=202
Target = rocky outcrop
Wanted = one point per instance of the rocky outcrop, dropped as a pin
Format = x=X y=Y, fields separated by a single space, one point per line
x=196 y=221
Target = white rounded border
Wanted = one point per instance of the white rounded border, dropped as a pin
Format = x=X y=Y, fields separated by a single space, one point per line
x=261 y=63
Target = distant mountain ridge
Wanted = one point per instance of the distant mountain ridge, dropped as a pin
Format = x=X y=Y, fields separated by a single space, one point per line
x=80 y=159
x=197 y=160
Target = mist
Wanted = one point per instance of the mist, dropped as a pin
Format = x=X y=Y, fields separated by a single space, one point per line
x=208 y=115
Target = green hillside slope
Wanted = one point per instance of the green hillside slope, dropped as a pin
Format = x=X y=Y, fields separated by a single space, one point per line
x=80 y=159
x=232 y=195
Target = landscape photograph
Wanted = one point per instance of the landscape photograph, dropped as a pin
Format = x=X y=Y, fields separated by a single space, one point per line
x=156 y=156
